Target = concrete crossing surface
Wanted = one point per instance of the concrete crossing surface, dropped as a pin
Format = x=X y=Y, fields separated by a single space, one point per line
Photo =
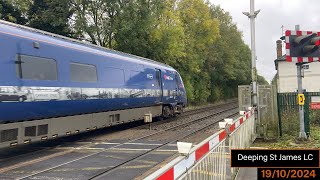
x=247 y=174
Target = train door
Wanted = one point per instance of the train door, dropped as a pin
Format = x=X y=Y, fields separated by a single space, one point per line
x=159 y=83
x=177 y=90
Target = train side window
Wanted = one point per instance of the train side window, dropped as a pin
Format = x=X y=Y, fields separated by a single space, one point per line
x=114 y=76
x=36 y=68
x=83 y=72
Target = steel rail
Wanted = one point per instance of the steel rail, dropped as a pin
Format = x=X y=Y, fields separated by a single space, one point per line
x=108 y=171
x=186 y=113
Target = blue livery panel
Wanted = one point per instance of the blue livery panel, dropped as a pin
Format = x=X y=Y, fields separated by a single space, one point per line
x=44 y=77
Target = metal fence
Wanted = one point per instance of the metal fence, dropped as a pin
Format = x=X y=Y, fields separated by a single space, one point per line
x=211 y=158
x=213 y=165
x=242 y=137
x=267 y=119
x=244 y=97
x=288 y=110
x=267 y=112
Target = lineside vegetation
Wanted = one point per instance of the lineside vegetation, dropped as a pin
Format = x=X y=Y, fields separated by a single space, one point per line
x=290 y=127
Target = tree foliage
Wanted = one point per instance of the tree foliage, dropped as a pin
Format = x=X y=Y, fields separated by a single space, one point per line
x=11 y=13
x=201 y=31
x=195 y=37
x=229 y=60
x=50 y=15
x=167 y=36
x=261 y=80
x=95 y=20
x=134 y=25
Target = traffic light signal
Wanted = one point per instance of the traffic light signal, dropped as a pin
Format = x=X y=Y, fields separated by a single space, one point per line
x=302 y=46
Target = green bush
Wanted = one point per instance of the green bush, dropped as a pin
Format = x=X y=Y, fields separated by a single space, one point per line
x=315 y=117
x=290 y=122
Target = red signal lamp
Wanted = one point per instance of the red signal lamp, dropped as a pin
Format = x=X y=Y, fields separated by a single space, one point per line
x=315 y=41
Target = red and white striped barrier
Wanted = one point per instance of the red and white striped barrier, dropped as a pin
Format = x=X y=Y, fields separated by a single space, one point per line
x=240 y=120
x=242 y=134
x=178 y=166
x=181 y=164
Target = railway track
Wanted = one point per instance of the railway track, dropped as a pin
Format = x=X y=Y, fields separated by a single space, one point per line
x=41 y=174
x=180 y=137
x=161 y=124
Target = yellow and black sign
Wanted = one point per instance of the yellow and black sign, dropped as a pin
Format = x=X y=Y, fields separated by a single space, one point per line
x=301 y=99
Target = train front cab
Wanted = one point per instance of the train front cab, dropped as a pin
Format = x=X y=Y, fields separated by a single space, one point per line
x=174 y=94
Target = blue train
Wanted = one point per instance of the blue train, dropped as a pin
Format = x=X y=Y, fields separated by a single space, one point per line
x=53 y=86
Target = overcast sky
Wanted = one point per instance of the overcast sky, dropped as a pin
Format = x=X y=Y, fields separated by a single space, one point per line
x=274 y=14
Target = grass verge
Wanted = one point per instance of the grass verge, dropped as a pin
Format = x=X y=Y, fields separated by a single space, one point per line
x=291 y=141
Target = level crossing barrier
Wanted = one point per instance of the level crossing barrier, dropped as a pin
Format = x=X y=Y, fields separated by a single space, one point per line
x=242 y=133
x=209 y=159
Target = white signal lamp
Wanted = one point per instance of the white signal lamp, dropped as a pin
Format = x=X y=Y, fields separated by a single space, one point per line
x=222 y=125
x=228 y=121
x=184 y=148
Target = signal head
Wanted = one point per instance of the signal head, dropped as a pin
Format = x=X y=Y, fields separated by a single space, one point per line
x=302 y=46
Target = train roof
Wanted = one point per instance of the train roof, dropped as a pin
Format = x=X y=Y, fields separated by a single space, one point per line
x=43 y=36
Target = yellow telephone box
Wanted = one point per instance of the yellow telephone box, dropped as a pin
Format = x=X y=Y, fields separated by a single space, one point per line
x=301 y=99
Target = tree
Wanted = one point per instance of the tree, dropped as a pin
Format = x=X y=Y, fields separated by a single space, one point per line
x=135 y=24
x=51 y=15
x=95 y=20
x=261 y=80
x=200 y=32
x=23 y=6
x=226 y=56
x=11 y=13
x=167 y=36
